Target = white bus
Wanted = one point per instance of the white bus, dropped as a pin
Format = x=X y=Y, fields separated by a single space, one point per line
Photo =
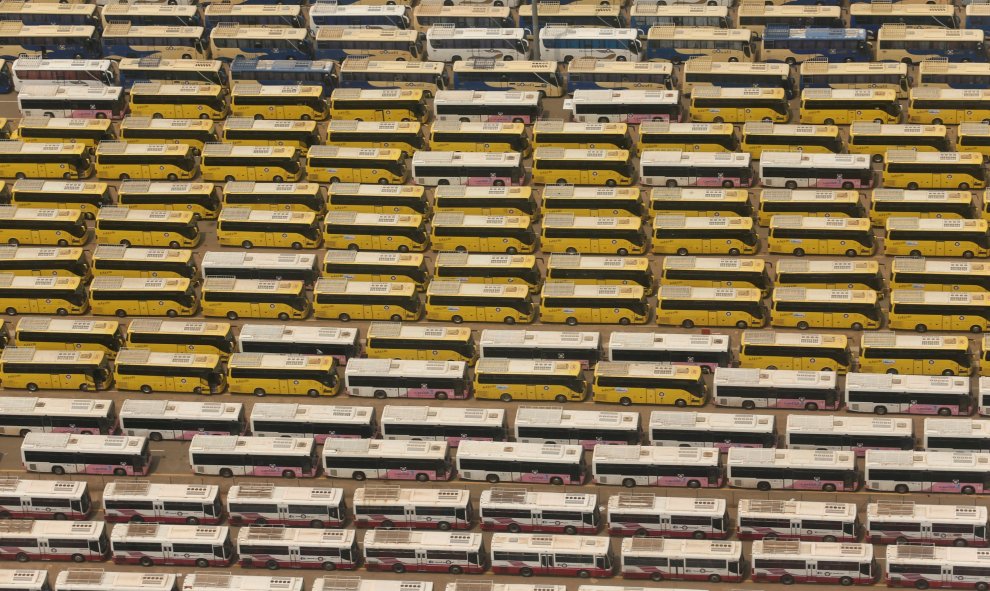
x=495 y=462
x=793 y=561
x=182 y=420
x=417 y=508
x=78 y=541
x=24 y=580
x=775 y=519
x=710 y=429
x=530 y=554
x=848 y=433
x=907 y=522
x=341 y=343
x=751 y=388
x=488 y=106
x=144 y=501
x=565 y=43
x=34 y=71
x=64 y=453
x=321 y=422
x=263 y=503
x=561 y=345
x=705 y=351
x=792 y=170
x=394 y=459
x=405 y=378
x=230 y=455
x=402 y=551
x=519 y=510
x=75 y=101
x=624 y=106
x=205 y=581
x=43 y=499
x=447 y=43
x=927 y=471
x=297 y=547
x=99 y=580
x=587 y=428
x=259 y=265
x=961 y=434
x=432 y=168
x=443 y=423
x=635 y=465
x=682 y=560
x=152 y=544
x=649 y=515
x=796 y=469
x=20 y=415
x=911 y=394
x=923 y=567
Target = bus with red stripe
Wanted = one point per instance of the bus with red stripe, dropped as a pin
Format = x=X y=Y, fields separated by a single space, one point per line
x=567 y=556
x=519 y=510
x=682 y=560
x=403 y=550
x=43 y=499
x=78 y=541
x=650 y=515
x=794 y=561
x=417 y=508
x=297 y=547
x=143 y=501
x=263 y=503
x=155 y=544
x=936 y=567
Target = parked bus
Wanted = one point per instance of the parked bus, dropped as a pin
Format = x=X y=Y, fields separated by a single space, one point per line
x=247 y=228
x=938 y=106
x=44 y=261
x=648 y=383
x=233 y=40
x=297 y=547
x=878 y=140
x=673 y=168
x=491 y=106
x=78 y=541
x=594 y=74
x=794 y=351
x=926 y=471
x=495 y=462
x=928 y=203
x=299 y=506
x=467 y=168
x=152 y=544
x=375 y=266
x=34 y=71
x=758 y=138
x=770 y=519
x=898 y=522
x=388 y=16
x=541 y=344
x=813 y=562
x=687 y=137
x=804 y=308
x=386 y=340
x=529 y=554
x=341 y=343
x=352 y=230
x=345 y=300
x=436 y=423
x=956 y=435
x=704 y=430
x=383 y=506
x=377 y=105
x=153 y=371
x=125 y=160
x=703 y=560
x=831 y=106
x=938 y=73
x=634 y=465
x=624 y=106
x=120 y=296
x=792 y=469
x=172 y=70
x=310 y=420
x=48 y=41
x=483 y=200
x=338 y=43
x=121 y=39
x=680 y=44
x=455 y=231
x=895 y=353
x=794 y=45
x=896 y=42
x=825 y=171
x=456 y=302
x=751 y=388
x=42 y=295
x=389 y=459
x=364 y=73
x=687 y=307
x=248 y=14
x=520 y=75
x=179 y=336
x=159 y=420
x=515 y=510
x=278 y=101
x=562 y=43
x=21 y=160
x=202 y=581
x=912 y=170
x=462 y=15
x=932 y=566
x=939 y=310
x=820 y=73
x=800 y=235
x=229 y=455
x=63 y=334
x=649 y=515
x=643 y=15
x=336 y=163
x=96 y=579
x=65 y=453
x=554 y=425
x=148 y=14
x=913 y=273
x=273 y=373
x=919 y=237
x=699 y=202
x=43 y=499
x=529 y=379
x=447 y=43
x=86 y=197
x=488 y=269
x=181 y=101
x=402 y=551
x=254 y=298
x=369 y=198
x=260 y=265
x=601 y=270
x=33 y=369
x=911 y=394
x=759 y=17
x=282 y=72
x=198 y=198
x=141 y=501
x=23 y=415
x=63 y=129
x=856 y=434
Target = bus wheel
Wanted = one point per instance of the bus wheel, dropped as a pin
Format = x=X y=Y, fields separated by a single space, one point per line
x=121 y=313
x=229 y=178
x=828 y=487
x=456 y=319
x=226 y=473
x=959 y=543
x=968 y=490
x=172 y=177
x=288 y=474
x=560 y=398
x=403 y=248
x=329 y=565
x=526 y=571
x=625 y=401
x=422 y=477
x=671 y=183
x=84 y=387
x=921 y=584
x=847 y=185
x=32 y=387
x=571 y=321
x=763 y=486
x=318 y=523
x=344 y=317
x=395 y=318
x=856 y=326
x=146 y=389
x=850 y=253
x=146 y=561
x=11 y=311
x=657 y=576
x=802 y=325
x=714 y=578
x=231 y=315
x=124 y=177
x=628 y=483
x=259 y=391
x=912 y=186
x=693 y=484
x=155 y=436
x=687 y=324
x=514 y=528
x=398 y=568
x=56 y=517
x=202 y=562
x=741 y=324
x=381 y=394
x=623 y=321
x=119 y=472
x=62 y=312
x=204 y=116
x=810 y=406
x=297 y=246
x=682 y=252
x=680 y=403
x=172 y=313
x=20 y=176
x=63 y=242
x=699 y=535
x=314 y=394
x=570 y=530
x=968 y=254
x=58 y=470
x=505 y=397
x=125 y=243
x=948 y=372
x=748 y=405
x=880 y=410
x=271 y=565
x=283 y=316
x=441 y=396
x=944 y=412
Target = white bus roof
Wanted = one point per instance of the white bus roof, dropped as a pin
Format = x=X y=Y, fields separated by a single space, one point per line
x=100 y=580
x=23 y=578
x=545 y=500
x=534 y=451
x=311 y=412
x=133 y=407
x=395 y=495
x=304 y=333
x=936 y=555
x=204 y=581
x=384 y=447
x=78 y=407
x=906 y=383
x=441 y=415
x=49 y=488
x=39 y=527
x=421 y=539
x=266 y=490
x=280 y=361
x=643 y=369
x=539 y=338
x=61 y=441
x=405 y=367
x=650 y=501
x=652 y=454
x=489 y=585
x=145 y=489
x=301 y=535
x=778 y=507
x=960 y=427
x=774 y=377
x=899 y=510
x=505 y=541
x=625 y=96
x=938 y=459
x=231 y=443
x=555 y=415
x=809 y=458
x=850 y=425
x=666 y=341
x=358 y=583
x=797 y=548
x=730 y=550
x=711 y=421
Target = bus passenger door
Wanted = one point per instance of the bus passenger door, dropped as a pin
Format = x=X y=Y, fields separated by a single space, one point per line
x=546 y=562
x=295 y=559
x=676 y=568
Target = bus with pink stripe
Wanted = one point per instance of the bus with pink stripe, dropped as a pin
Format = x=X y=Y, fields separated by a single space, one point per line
x=452 y=424
x=793 y=561
x=390 y=506
x=232 y=455
x=646 y=465
x=153 y=544
x=496 y=461
x=467 y=168
x=682 y=560
x=181 y=420
x=297 y=547
x=795 y=469
x=143 y=501
x=567 y=556
x=650 y=515
x=518 y=510
x=403 y=550
x=263 y=503
x=389 y=459
x=322 y=422
x=65 y=453
x=78 y=541
x=927 y=471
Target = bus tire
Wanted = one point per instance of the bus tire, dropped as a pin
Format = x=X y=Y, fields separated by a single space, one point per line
x=344 y=317
x=11 y=311
x=714 y=578
x=526 y=571
x=610 y=183
x=124 y=176
x=456 y=319
x=288 y=474
x=856 y=326
x=975 y=329
x=920 y=328
x=172 y=177
x=455 y=569
x=395 y=318
x=32 y=387
x=172 y=313
x=21 y=557
x=403 y=248
x=204 y=116
x=62 y=312
x=121 y=313
x=968 y=254
x=693 y=484
x=682 y=252
x=297 y=246
x=20 y=176
x=912 y=186
x=680 y=403
x=259 y=391
x=492 y=479
x=146 y=561
x=58 y=470
x=334 y=179
x=381 y=394
x=847 y=185
x=231 y=315
x=283 y=316
x=560 y=398
x=313 y=394
x=960 y=543
x=202 y=562
x=422 y=477
x=513 y=528
x=850 y=253
x=398 y=568
x=901 y=489
x=687 y=324
x=271 y=565
x=629 y=483
x=318 y=523
x=968 y=490
x=623 y=321
x=748 y=405
x=84 y=387
x=625 y=401
x=571 y=321
x=802 y=325
x=828 y=487
x=810 y=406
x=944 y=412
x=699 y=535
x=741 y=324
x=441 y=396
x=656 y=576
x=718 y=120
x=671 y=183
x=921 y=584
x=329 y=565
x=226 y=473
x=981 y=586
x=155 y=436
x=125 y=243
x=763 y=486
x=146 y=389
x=948 y=372
x=505 y=397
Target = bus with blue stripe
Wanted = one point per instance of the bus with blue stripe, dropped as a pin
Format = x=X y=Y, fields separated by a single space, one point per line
x=797 y=45
x=679 y=44
x=48 y=41
x=820 y=73
x=897 y=43
x=122 y=40
x=45 y=13
x=229 y=41
x=942 y=73
x=281 y=72
x=368 y=16
x=592 y=74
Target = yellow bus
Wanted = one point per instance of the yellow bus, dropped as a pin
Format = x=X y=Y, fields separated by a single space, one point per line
x=50 y=160
x=147 y=130
x=86 y=197
x=939 y=275
x=478 y=233
x=399 y=135
x=334 y=164
x=376 y=266
x=270 y=101
x=157 y=162
x=574 y=303
x=628 y=383
x=984 y=355
x=245 y=131
x=353 y=230
x=366 y=198
x=147 y=227
x=907 y=169
x=390 y=340
x=831 y=106
x=974 y=137
x=114 y=260
x=247 y=228
x=226 y=162
x=900 y=353
x=688 y=307
x=802 y=308
x=373 y=104
x=529 y=379
x=23 y=294
x=888 y=203
x=178 y=100
x=88 y=132
x=519 y=269
x=680 y=44
x=876 y=140
x=32 y=369
x=566 y=232
x=922 y=311
x=457 y=302
x=45 y=261
x=799 y=235
x=813 y=139
x=199 y=198
x=65 y=334
x=713 y=104
x=275 y=196
x=686 y=137
x=681 y=235
x=699 y=202
x=181 y=336
x=582 y=167
x=716 y=272
x=339 y=42
x=475 y=136
x=936 y=238
x=581 y=135
x=44 y=227
x=948 y=106
x=593 y=201
x=138 y=296
x=486 y=200
x=769 y=349
x=149 y=371
x=273 y=373
x=825 y=203
x=254 y=298
x=346 y=300
x=829 y=274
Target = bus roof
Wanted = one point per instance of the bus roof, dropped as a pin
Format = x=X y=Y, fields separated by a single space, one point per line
x=134 y=407
x=710 y=421
x=83 y=407
x=405 y=367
